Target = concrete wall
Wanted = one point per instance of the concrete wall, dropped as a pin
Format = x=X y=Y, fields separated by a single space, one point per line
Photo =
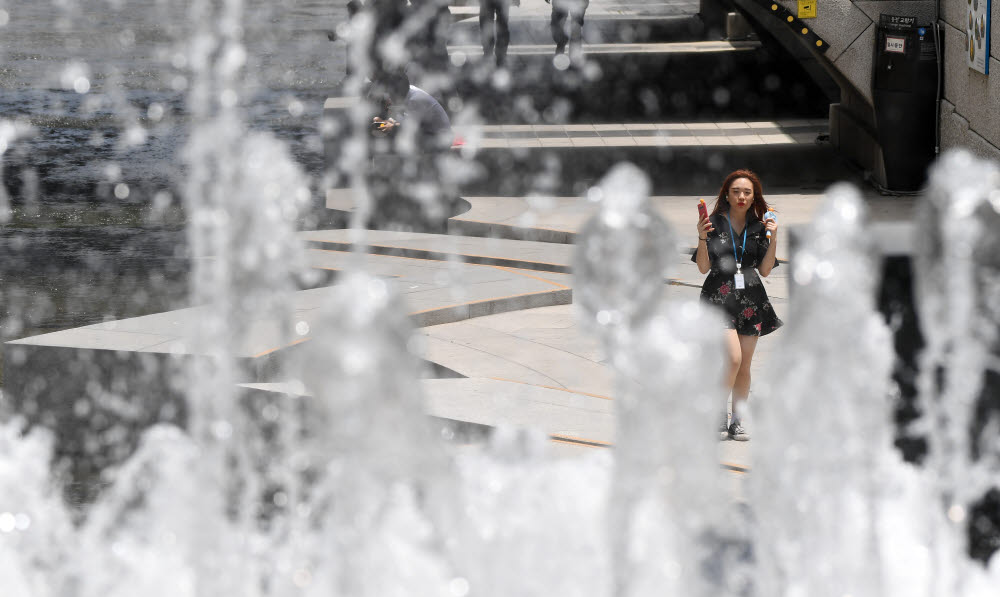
x=970 y=110
x=848 y=28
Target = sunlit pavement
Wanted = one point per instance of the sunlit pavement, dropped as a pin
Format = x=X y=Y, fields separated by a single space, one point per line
x=543 y=352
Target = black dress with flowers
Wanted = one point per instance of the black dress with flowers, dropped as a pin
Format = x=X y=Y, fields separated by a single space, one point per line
x=748 y=311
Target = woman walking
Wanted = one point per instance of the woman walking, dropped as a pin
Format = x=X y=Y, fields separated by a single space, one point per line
x=736 y=242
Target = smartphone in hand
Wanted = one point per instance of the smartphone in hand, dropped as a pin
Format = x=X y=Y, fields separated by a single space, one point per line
x=702 y=210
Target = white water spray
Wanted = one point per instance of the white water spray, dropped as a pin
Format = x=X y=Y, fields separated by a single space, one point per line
x=665 y=361
x=347 y=491
x=822 y=429
x=957 y=283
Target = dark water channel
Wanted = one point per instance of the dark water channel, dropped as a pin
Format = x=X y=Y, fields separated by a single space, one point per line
x=96 y=229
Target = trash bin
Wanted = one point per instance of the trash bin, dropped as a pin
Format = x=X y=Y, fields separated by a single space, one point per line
x=904 y=91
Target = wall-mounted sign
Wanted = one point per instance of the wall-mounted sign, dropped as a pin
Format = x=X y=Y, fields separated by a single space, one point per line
x=888 y=21
x=895 y=44
x=807 y=9
x=977 y=35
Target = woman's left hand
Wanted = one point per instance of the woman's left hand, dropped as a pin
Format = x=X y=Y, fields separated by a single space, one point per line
x=771 y=225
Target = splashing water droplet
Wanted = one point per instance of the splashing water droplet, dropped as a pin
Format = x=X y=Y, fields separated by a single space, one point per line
x=8 y=522
x=833 y=369
x=622 y=255
x=957 y=274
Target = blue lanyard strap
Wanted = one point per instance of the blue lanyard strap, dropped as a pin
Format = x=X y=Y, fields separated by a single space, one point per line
x=743 y=249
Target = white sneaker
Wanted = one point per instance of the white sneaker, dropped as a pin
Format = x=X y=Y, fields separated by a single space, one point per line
x=737 y=432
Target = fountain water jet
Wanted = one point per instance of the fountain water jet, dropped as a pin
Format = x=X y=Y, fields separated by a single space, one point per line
x=818 y=508
x=665 y=360
x=346 y=491
x=958 y=281
x=377 y=486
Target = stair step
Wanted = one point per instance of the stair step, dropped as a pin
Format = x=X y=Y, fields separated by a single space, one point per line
x=589 y=49
x=604 y=28
x=723 y=134
x=688 y=169
x=643 y=82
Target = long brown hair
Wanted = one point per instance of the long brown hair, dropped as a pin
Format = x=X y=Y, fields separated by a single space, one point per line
x=759 y=207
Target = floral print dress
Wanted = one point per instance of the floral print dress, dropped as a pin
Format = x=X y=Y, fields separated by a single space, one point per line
x=748 y=311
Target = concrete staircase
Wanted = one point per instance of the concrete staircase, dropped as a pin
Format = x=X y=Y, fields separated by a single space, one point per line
x=654 y=90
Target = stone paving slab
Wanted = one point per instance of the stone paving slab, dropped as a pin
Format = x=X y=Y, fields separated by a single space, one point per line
x=574 y=420
x=651 y=135
x=600 y=13
x=557 y=219
x=95 y=338
x=494 y=403
x=677 y=129
x=541 y=347
x=793 y=131
x=547 y=348
x=533 y=255
x=544 y=347
x=495 y=251
x=434 y=292
x=688 y=47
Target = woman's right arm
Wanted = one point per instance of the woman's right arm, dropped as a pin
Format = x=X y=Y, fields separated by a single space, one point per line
x=701 y=255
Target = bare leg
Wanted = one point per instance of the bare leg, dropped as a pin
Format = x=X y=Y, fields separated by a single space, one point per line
x=734 y=357
x=741 y=383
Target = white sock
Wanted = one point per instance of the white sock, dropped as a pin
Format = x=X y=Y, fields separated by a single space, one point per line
x=738 y=411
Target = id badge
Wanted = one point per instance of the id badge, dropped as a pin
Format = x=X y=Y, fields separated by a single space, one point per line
x=739 y=281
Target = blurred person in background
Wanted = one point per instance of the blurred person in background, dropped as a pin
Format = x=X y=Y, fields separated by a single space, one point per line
x=494 y=28
x=567 y=26
x=413 y=136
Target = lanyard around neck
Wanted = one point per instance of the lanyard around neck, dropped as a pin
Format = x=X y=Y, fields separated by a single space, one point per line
x=743 y=249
